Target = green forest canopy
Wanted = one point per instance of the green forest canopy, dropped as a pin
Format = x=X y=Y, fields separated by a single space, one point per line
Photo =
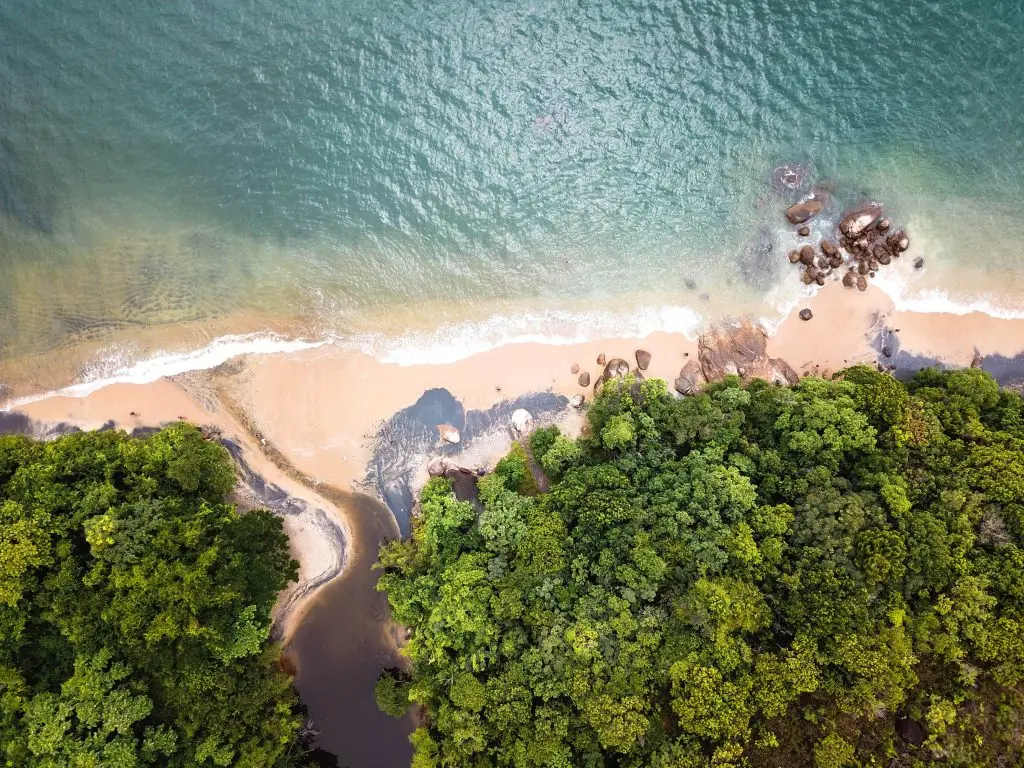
x=135 y=607
x=755 y=576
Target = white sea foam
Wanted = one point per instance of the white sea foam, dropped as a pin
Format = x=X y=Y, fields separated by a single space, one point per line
x=907 y=298
x=458 y=341
x=119 y=366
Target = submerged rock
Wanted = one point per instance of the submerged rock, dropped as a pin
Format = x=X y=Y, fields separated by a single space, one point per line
x=807 y=255
x=643 y=359
x=791 y=178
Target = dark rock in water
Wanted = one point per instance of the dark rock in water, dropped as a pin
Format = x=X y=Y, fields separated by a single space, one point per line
x=691 y=285
x=584 y=379
x=862 y=283
x=862 y=267
x=902 y=243
x=806 y=314
x=828 y=248
x=855 y=222
x=883 y=224
x=791 y=178
x=849 y=279
x=872 y=265
x=835 y=262
x=808 y=276
x=820 y=278
x=807 y=255
x=918 y=263
x=691 y=379
x=910 y=731
x=977 y=361
x=575 y=369
x=643 y=359
x=883 y=256
x=794 y=257
x=805 y=210
x=755 y=261
x=616 y=368
x=804 y=231
x=601 y=359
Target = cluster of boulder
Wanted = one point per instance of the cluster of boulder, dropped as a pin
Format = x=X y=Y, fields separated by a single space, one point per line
x=740 y=350
x=616 y=368
x=866 y=242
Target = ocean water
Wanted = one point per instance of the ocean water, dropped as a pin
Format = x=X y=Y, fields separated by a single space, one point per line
x=420 y=175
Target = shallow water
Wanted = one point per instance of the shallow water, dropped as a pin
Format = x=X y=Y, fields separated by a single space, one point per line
x=329 y=161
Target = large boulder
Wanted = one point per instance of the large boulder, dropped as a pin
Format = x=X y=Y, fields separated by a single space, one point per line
x=691 y=379
x=856 y=221
x=805 y=210
x=739 y=350
x=521 y=421
x=616 y=368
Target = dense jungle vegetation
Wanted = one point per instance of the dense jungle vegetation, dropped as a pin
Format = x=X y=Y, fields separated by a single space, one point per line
x=135 y=608
x=825 y=575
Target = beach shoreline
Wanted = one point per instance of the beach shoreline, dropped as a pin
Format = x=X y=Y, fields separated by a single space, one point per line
x=308 y=420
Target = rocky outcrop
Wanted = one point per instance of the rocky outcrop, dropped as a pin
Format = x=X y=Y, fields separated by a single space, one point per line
x=805 y=210
x=691 y=379
x=616 y=368
x=858 y=220
x=740 y=350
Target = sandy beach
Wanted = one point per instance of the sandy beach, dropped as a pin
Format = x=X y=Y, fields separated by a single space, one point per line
x=306 y=421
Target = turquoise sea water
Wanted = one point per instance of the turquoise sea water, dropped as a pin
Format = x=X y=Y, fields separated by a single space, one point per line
x=330 y=161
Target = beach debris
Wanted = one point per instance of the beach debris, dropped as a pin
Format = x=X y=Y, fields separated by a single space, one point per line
x=438 y=466
x=584 y=379
x=804 y=210
x=601 y=359
x=806 y=314
x=977 y=361
x=691 y=379
x=576 y=401
x=804 y=231
x=449 y=433
x=918 y=263
x=521 y=421
x=643 y=359
x=616 y=368
x=575 y=369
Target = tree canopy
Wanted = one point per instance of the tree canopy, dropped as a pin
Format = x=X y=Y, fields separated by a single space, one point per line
x=825 y=575
x=135 y=607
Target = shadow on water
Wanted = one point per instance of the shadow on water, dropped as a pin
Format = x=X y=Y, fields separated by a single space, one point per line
x=342 y=644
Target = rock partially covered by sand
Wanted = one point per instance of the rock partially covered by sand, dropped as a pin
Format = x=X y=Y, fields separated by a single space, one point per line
x=449 y=433
x=521 y=421
x=804 y=210
x=855 y=222
x=643 y=359
x=739 y=350
x=616 y=368
x=691 y=379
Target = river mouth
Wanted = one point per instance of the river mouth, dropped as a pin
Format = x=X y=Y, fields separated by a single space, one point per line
x=340 y=646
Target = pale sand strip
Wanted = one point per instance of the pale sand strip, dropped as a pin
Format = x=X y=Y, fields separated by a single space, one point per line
x=319 y=408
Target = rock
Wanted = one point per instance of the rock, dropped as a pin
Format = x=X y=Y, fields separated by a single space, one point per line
x=643 y=359
x=862 y=283
x=790 y=178
x=807 y=255
x=576 y=401
x=886 y=350
x=575 y=369
x=804 y=210
x=862 y=268
x=902 y=244
x=808 y=276
x=794 y=257
x=820 y=278
x=449 y=433
x=883 y=256
x=521 y=421
x=806 y=314
x=883 y=224
x=598 y=383
x=855 y=222
x=584 y=379
x=691 y=285
x=635 y=373
x=977 y=361
x=835 y=262
x=756 y=265
x=438 y=466
x=828 y=248
x=849 y=279
x=910 y=731
x=726 y=350
x=601 y=359
x=616 y=368
x=918 y=263
x=804 y=231
x=691 y=379
x=872 y=265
